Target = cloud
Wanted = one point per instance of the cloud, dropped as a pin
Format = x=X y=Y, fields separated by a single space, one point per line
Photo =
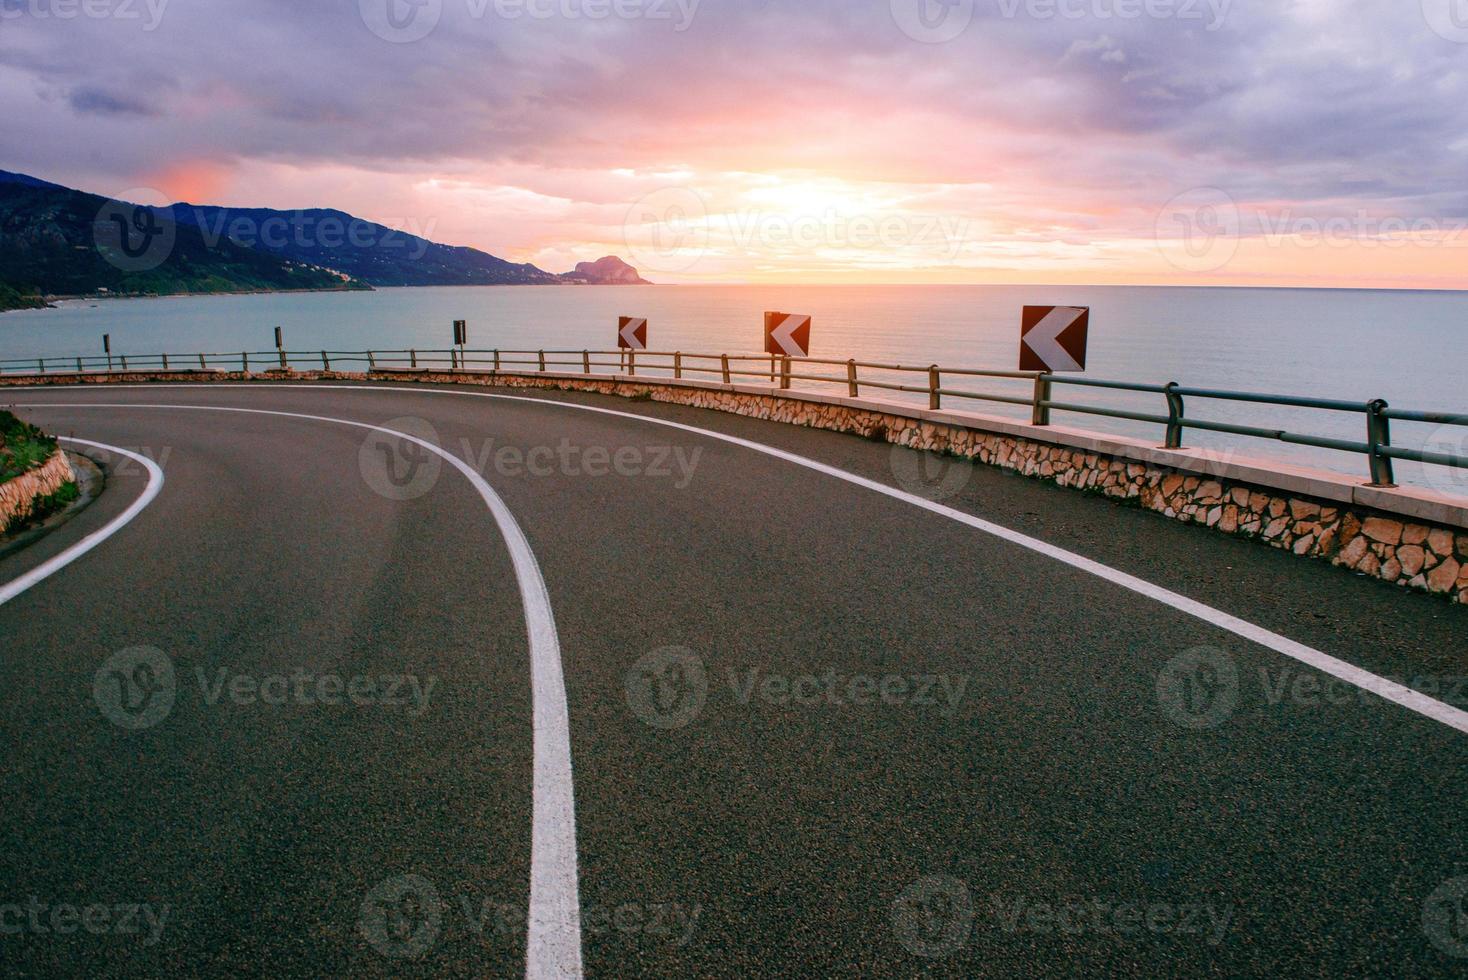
x=1065 y=120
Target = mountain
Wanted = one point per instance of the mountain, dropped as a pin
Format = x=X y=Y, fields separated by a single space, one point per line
x=606 y=271
x=373 y=253
x=59 y=242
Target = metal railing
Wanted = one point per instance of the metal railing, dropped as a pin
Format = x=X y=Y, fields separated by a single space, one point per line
x=782 y=372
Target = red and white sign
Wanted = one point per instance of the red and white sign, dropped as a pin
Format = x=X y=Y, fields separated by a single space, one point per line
x=1053 y=338
x=787 y=334
x=631 y=333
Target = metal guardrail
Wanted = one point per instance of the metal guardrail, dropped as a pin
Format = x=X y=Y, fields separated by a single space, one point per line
x=782 y=372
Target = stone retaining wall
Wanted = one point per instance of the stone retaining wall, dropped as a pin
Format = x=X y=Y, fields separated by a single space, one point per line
x=18 y=496
x=1392 y=546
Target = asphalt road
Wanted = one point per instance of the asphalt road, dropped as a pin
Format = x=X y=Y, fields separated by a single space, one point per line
x=815 y=729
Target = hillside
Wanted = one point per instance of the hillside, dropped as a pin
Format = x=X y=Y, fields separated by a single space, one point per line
x=607 y=271
x=373 y=253
x=55 y=241
x=60 y=242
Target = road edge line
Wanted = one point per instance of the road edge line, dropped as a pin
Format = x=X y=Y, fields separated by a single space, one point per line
x=56 y=563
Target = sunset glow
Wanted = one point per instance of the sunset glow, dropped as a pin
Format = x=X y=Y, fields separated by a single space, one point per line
x=736 y=143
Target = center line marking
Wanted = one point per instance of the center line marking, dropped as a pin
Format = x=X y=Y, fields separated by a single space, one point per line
x=553 y=940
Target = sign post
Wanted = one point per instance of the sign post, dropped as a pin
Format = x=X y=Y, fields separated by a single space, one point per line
x=461 y=340
x=1053 y=338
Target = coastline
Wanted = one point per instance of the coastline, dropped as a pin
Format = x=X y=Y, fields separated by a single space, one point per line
x=49 y=302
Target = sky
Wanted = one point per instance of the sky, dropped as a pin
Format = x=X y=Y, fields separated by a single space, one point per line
x=1224 y=142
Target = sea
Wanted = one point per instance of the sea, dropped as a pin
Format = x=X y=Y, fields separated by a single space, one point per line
x=1408 y=348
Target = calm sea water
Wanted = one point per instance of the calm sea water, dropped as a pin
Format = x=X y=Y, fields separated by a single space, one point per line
x=1410 y=348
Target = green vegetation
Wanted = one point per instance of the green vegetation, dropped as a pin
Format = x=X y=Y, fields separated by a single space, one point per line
x=23 y=447
x=58 y=242
x=12 y=298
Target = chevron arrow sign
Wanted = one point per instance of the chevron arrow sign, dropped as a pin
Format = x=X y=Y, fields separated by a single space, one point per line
x=1053 y=338
x=631 y=333
x=787 y=334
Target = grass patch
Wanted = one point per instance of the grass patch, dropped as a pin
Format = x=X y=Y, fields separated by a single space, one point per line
x=23 y=447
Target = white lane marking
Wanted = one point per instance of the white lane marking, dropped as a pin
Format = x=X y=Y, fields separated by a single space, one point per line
x=1388 y=690
x=553 y=941
x=55 y=564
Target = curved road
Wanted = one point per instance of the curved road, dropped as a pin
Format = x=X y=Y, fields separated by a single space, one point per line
x=299 y=715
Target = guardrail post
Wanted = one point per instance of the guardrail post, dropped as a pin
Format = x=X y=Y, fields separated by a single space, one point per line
x=412 y=357
x=935 y=382
x=371 y=361
x=784 y=373
x=724 y=366
x=1041 y=414
x=124 y=362
x=677 y=365
x=586 y=362
x=496 y=360
x=1176 y=412
x=453 y=359
x=325 y=364
x=852 y=388
x=78 y=365
x=244 y=362
x=1378 y=437
x=165 y=362
x=542 y=362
